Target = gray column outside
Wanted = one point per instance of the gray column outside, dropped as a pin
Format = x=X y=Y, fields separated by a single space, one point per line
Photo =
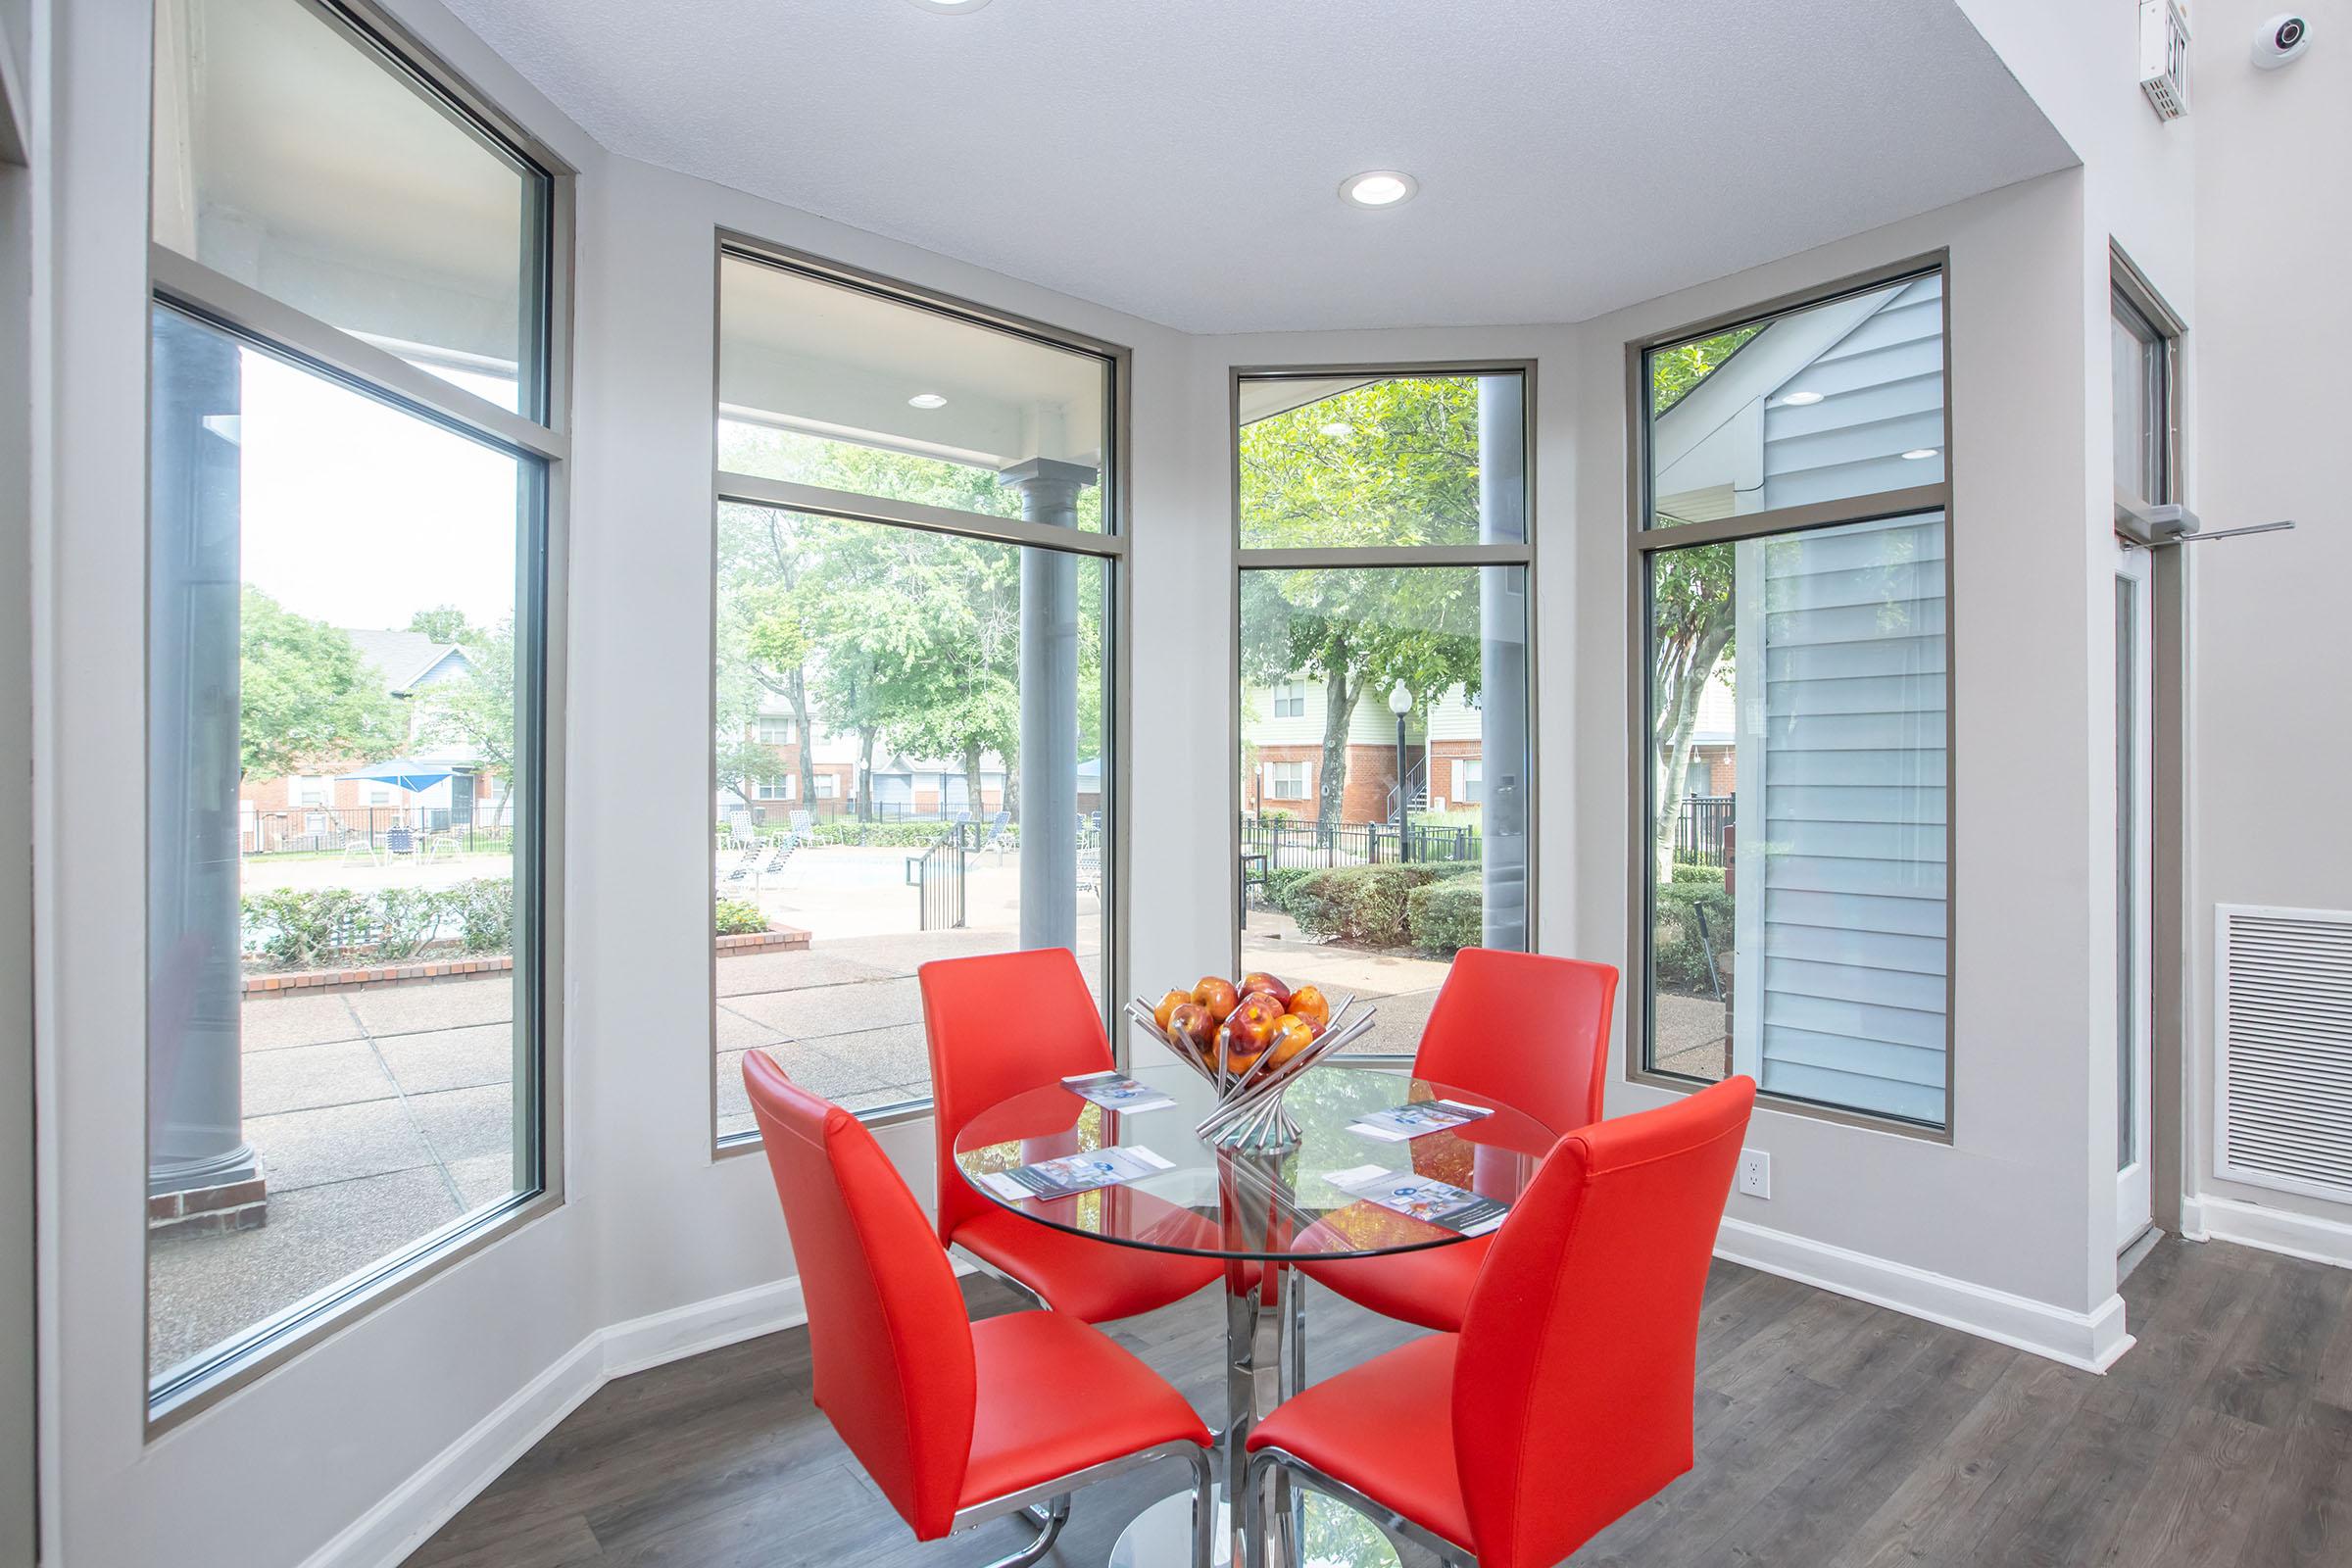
x=1048 y=674
x=1503 y=653
x=196 y=1136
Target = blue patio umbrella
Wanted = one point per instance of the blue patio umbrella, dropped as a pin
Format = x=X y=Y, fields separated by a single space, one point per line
x=402 y=773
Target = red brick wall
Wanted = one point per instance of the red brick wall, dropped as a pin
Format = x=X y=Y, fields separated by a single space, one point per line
x=1442 y=754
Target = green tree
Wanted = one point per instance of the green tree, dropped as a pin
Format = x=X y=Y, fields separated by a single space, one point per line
x=307 y=700
x=1395 y=463
x=764 y=645
x=443 y=623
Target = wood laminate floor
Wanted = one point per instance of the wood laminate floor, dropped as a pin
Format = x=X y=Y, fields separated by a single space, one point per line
x=1830 y=1434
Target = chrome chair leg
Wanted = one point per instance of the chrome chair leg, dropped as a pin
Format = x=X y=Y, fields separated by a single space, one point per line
x=1047 y=1519
x=1204 y=1511
x=1294 y=1357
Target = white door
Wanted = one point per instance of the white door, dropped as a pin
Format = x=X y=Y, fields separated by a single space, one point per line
x=2134 y=758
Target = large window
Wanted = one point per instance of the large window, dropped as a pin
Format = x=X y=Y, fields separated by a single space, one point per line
x=916 y=559
x=1792 y=845
x=1384 y=771
x=347 y=585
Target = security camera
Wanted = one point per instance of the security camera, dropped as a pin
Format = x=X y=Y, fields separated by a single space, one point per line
x=2281 y=42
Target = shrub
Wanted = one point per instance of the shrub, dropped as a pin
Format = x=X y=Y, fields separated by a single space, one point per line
x=1281 y=882
x=740 y=917
x=301 y=929
x=1360 y=903
x=899 y=835
x=406 y=919
x=1676 y=947
x=1446 y=915
x=484 y=909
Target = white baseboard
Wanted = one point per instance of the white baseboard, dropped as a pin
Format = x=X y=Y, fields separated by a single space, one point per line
x=2274 y=1230
x=2091 y=1341
x=386 y=1534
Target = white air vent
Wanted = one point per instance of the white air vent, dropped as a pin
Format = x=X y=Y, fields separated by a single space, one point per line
x=2164 y=58
x=2282 y=1021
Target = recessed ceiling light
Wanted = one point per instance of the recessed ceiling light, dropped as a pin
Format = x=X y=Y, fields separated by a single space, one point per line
x=1338 y=429
x=926 y=399
x=949 y=6
x=1379 y=187
x=1917 y=452
x=1802 y=400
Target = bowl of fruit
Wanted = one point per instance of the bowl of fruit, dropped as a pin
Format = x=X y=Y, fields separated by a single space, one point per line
x=1251 y=1038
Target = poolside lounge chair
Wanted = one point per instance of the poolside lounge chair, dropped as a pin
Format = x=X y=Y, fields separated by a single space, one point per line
x=778 y=855
x=358 y=850
x=736 y=880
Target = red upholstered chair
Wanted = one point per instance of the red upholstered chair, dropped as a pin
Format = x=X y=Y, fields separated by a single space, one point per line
x=955 y=1421
x=1000 y=1025
x=1565 y=1400
x=1532 y=1032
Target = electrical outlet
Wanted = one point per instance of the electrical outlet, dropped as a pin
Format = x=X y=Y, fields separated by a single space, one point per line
x=1756 y=1173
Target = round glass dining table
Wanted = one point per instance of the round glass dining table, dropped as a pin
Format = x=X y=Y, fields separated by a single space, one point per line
x=1260 y=1211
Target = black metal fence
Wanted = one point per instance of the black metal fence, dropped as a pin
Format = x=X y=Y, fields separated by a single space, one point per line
x=1700 y=828
x=472 y=827
x=1289 y=845
x=939 y=879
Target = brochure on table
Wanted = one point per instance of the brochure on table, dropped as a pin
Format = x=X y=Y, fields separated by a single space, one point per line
x=1115 y=1090
x=1417 y=1119
x=1072 y=1174
x=1436 y=1203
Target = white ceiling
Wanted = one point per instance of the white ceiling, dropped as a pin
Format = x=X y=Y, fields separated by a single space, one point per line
x=1180 y=161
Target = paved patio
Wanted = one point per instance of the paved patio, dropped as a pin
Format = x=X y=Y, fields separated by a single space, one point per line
x=380 y=1116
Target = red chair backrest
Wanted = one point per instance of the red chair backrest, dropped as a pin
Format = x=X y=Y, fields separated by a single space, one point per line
x=998 y=1025
x=1527 y=1028
x=1573 y=1382
x=891 y=1345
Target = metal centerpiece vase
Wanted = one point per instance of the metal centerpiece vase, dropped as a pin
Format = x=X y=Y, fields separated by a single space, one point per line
x=1249 y=1115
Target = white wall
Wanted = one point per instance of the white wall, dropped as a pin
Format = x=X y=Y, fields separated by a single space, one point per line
x=2270 y=748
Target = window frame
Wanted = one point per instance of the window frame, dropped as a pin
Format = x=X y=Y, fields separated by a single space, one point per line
x=541 y=451
x=1109 y=547
x=1645 y=541
x=1521 y=554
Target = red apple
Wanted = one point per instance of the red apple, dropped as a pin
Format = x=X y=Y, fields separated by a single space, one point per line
x=1167 y=1006
x=1217 y=995
x=1260 y=980
x=1308 y=1001
x=1189 y=1022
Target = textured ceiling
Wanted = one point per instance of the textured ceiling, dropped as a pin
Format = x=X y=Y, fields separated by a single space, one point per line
x=1180 y=160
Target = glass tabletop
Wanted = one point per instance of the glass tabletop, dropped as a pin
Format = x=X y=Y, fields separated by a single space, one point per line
x=1214 y=1202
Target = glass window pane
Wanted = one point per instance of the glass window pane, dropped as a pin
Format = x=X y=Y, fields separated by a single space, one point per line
x=825 y=384
x=2140 y=415
x=1350 y=882
x=1397 y=460
x=943 y=784
x=1798 y=784
x=1830 y=402
x=292 y=157
x=336 y=780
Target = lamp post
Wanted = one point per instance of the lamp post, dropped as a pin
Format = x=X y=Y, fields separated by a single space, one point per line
x=1400 y=702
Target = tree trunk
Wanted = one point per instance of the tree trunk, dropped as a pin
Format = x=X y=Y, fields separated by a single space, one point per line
x=975 y=800
x=1677 y=719
x=865 y=775
x=1338 y=711
x=797 y=693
